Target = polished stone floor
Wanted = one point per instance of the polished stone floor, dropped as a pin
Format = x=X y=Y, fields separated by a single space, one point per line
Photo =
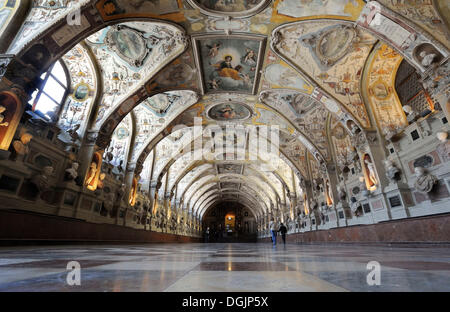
x=224 y=268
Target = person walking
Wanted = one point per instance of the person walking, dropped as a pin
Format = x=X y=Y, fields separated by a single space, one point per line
x=273 y=231
x=207 y=235
x=283 y=231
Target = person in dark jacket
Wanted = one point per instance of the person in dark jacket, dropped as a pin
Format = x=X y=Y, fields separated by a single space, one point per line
x=283 y=231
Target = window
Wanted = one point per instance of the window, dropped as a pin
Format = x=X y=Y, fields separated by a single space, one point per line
x=47 y=100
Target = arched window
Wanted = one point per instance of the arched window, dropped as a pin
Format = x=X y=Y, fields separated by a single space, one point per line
x=47 y=100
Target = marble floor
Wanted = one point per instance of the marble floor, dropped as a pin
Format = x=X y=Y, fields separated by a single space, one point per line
x=224 y=268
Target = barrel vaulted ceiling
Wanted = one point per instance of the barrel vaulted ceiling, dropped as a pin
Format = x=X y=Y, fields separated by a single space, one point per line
x=153 y=68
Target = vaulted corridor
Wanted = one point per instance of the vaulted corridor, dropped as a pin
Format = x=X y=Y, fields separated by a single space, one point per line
x=216 y=124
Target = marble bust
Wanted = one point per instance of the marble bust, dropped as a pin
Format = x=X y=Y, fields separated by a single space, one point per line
x=21 y=146
x=392 y=171
x=72 y=172
x=41 y=181
x=427 y=59
x=341 y=192
x=425 y=181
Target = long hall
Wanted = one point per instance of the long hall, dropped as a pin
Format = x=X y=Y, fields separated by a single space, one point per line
x=164 y=145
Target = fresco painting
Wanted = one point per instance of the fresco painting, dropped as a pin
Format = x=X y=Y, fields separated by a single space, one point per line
x=229 y=112
x=229 y=64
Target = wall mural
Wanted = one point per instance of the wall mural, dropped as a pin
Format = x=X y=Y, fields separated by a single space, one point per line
x=235 y=8
x=229 y=63
x=229 y=5
x=123 y=8
x=229 y=112
x=423 y=13
x=120 y=141
x=380 y=86
x=77 y=107
x=41 y=15
x=295 y=150
x=155 y=113
x=342 y=144
x=314 y=124
x=7 y=9
x=443 y=7
x=292 y=103
x=333 y=55
x=282 y=75
x=417 y=46
x=126 y=65
x=180 y=74
x=297 y=9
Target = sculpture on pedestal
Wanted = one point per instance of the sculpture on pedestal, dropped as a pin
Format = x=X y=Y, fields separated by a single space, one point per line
x=370 y=170
x=92 y=173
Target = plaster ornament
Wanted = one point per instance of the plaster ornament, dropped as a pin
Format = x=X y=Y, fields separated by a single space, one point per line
x=2 y=117
x=442 y=136
x=72 y=172
x=425 y=181
x=41 y=181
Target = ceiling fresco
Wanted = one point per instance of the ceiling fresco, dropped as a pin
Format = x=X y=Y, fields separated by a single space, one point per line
x=229 y=64
x=43 y=13
x=128 y=54
x=84 y=85
x=142 y=71
x=333 y=55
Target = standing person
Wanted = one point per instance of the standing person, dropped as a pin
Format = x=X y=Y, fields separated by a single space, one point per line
x=207 y=235
x=283 y=231
x=273 y=231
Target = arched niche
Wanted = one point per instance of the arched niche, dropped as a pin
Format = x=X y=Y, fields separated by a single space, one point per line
x=10 y=112
x=370 y=175
x=133 y=192
x=93 y=175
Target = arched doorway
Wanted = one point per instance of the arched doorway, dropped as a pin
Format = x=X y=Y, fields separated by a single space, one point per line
x=230 y=222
